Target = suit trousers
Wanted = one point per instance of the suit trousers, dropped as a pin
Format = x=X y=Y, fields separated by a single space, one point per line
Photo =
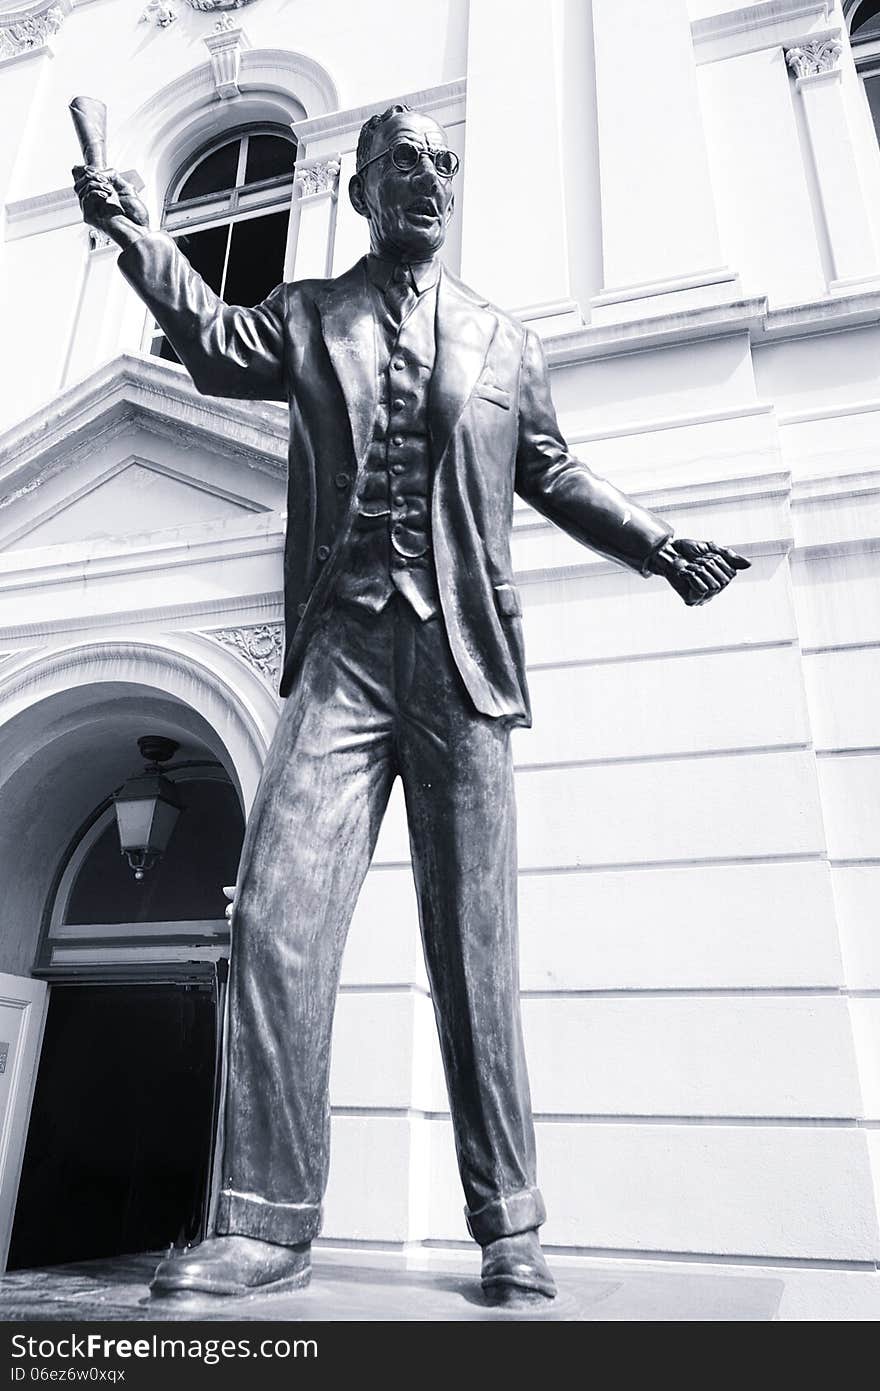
x=377 y=695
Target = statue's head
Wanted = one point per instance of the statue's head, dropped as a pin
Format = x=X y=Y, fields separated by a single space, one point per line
x=403 y=183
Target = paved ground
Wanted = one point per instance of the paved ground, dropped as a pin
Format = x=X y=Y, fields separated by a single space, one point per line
x=117 y=1289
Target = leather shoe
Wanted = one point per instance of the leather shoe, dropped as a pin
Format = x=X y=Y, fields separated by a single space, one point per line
x=515 y=1271
x=234 y=1265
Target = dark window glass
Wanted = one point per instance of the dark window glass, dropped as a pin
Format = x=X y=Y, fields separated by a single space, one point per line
x=256 y=258
x=186 y=884
x=206 y=253
x=865 y=13
x=162 y=348
x=872 y=87
x=268 y=156
x=216 y=172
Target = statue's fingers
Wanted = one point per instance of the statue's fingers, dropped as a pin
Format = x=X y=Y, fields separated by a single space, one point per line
x=733 y=558
x=229 y=891
x=717 y=569
x=698 y=588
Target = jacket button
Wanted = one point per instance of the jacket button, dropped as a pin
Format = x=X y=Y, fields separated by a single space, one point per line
x=342 y=480
x=398 y=403
x=301 y=608
x=398 y=364
x=323 y=552
x=397 y=441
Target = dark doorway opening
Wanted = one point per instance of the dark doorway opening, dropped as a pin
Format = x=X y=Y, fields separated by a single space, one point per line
x=118 y=1153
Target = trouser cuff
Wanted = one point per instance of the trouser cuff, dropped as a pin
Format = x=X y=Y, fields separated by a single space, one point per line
x=284 y=1224
x=517 y=1212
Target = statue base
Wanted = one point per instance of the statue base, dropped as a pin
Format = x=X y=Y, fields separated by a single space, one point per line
x=117 y=1289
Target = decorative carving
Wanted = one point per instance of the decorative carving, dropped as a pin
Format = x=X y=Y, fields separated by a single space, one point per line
x=261 y=646
x=159 y=14
x=210 y=5
x=809 y=59
x=225 y=24
x=318 y=178
x=226 y=46
x=99 y=241
x=24 y=35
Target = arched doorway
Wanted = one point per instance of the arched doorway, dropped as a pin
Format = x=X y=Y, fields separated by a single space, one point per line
x=119 y=1149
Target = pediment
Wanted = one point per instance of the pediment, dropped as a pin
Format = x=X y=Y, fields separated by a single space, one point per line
x=135 y=496
x=116 y=458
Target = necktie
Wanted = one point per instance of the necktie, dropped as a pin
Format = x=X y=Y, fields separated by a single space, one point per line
x=400 y=295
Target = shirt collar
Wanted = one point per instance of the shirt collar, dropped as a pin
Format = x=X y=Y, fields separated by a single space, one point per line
x=423 y=274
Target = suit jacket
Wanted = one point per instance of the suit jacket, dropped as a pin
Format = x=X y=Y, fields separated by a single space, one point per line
x=492 y=427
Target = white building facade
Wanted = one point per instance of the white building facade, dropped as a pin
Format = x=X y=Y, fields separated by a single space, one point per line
x=683 y=197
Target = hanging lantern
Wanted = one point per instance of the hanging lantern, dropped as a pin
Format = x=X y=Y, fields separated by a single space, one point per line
x=147 y=807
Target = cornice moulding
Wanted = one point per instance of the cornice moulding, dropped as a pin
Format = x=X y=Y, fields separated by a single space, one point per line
x=45 y=212
x=445 y=102
x=247 y=608
x=779 y=23
x=659 y=331
x=139 y=389
x=201 y=543
x=838 y=313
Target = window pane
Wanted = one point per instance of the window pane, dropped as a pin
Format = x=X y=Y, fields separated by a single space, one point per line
x=256 y=259
x=862 y=20
x=206 y=252
x=872 y=87
x=160 y=347
x=215 y=172
x=268 y=156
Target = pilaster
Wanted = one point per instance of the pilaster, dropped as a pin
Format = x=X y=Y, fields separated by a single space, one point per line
x=660 y=240
x=816 y=69
x=517 y=255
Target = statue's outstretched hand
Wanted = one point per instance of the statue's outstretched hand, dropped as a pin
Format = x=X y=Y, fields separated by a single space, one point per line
x=697 y=570
x=104 y=195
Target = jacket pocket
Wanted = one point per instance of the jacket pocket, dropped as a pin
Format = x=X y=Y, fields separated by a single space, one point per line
x=507 y=600
x=486 y=391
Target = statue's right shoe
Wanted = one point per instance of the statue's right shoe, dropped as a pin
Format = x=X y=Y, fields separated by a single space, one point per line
x=233 y=1265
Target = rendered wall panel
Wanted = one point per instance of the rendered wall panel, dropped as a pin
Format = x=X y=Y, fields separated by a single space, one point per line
x=775 y=1191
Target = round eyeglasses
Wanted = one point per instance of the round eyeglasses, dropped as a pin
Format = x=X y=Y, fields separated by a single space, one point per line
x=405 y=155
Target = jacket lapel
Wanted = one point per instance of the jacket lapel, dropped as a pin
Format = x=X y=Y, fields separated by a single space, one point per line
x=348 y=325
x=465 y=328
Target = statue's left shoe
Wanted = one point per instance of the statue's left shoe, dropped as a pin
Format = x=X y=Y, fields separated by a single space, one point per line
x=515 y=1271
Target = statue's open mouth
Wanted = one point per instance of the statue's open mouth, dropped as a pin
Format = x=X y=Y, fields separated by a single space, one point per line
x=423 y=210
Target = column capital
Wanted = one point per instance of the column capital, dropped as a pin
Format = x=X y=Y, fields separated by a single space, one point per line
x=318 y=177
x=816 y=58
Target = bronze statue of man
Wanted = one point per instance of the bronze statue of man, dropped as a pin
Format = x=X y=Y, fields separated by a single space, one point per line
x=417 y=409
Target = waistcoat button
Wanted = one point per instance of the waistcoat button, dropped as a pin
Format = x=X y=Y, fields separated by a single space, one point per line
x=342 y=480
x=323 y=552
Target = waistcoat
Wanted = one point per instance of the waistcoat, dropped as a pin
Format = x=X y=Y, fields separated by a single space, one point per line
x=389 y=549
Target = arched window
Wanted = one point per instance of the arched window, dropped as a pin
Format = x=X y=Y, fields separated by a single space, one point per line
x=863 y=19
x=228 y=209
